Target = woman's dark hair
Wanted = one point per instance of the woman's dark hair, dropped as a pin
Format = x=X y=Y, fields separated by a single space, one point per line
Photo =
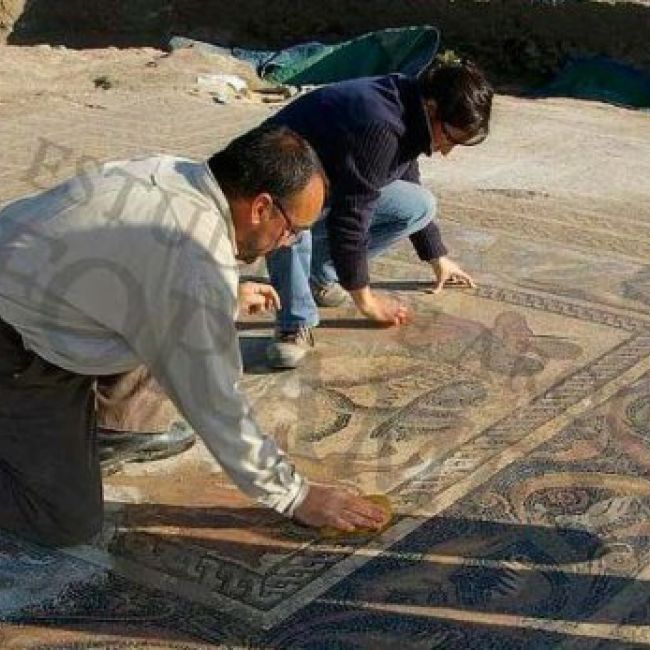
x=269 y=158
x=462 y=94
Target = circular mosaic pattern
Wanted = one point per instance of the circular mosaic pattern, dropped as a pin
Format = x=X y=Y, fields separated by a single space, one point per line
x=562 y=500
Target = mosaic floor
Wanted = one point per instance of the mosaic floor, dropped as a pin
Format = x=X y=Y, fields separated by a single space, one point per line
x=509 y=425
x=511 y=430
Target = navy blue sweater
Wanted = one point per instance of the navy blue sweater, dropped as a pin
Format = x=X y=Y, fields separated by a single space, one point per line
x=367 y=132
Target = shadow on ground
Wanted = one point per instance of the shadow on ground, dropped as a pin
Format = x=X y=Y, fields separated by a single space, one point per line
x=459 y=583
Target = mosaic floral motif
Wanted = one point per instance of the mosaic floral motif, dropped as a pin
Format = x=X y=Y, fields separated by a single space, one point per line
x=434 y=411
x=551 y=502
x=638 y=413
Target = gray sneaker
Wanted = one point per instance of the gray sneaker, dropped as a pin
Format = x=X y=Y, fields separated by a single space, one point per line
x=329 y=295
x=290 y=348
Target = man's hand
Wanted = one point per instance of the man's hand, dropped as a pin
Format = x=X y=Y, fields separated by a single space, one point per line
x=256 y=298
x=380 y=308
x=334 y=507
x=449 y=273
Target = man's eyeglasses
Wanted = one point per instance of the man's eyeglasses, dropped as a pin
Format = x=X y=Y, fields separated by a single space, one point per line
x=294 y=231
x=468 y=141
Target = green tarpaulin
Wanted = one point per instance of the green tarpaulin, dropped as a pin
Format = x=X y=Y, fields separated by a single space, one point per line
x=603 y=79
x=404 y=49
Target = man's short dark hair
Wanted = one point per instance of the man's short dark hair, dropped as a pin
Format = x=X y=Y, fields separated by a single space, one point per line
x=462 y=94
x=269 y=158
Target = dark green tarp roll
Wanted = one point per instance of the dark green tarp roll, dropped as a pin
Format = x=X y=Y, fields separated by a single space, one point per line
x=406 y=50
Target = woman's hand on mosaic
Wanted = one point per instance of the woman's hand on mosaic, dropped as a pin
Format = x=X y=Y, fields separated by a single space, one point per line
x=257 y=298
x=448 y=273
x=381 y=308
x=334 y=507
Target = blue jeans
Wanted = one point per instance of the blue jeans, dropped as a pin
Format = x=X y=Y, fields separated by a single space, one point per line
x=402 y=209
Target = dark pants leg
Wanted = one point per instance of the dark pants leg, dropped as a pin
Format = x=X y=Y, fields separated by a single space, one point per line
x=50 y=482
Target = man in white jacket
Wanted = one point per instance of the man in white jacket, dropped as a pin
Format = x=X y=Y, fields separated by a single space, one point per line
x=135 y=264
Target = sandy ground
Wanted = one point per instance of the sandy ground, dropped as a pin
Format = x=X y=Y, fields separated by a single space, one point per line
x=551 y=146
x=43 y=72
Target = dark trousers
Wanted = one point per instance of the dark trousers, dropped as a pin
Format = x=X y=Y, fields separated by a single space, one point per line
x=50 y=478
